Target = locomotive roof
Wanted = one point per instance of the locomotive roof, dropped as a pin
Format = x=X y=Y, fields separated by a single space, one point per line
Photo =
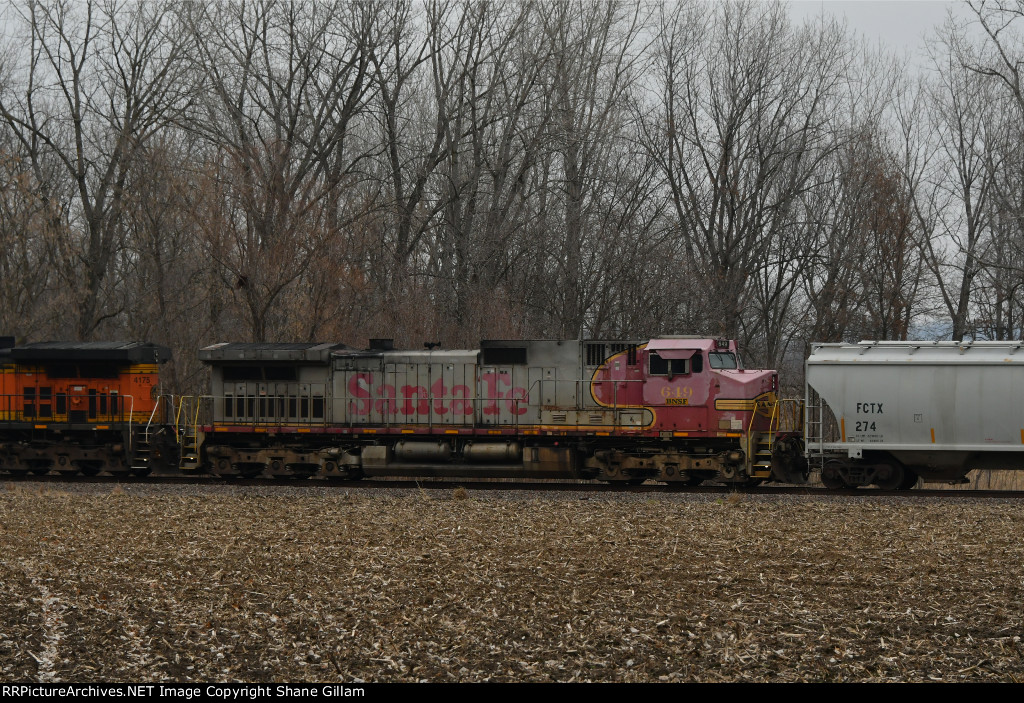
x=130 y=352
x=269 y=351
x=695 y=343
x=410 y=354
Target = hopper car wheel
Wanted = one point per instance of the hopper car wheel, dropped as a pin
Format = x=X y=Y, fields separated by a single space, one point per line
x=831 y=476
x=909 y=480
x=891 y=477
x=90 y=470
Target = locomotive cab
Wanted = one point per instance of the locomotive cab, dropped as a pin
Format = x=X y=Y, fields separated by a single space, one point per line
x=713 y=419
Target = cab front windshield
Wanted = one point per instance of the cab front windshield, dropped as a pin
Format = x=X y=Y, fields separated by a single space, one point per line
x=723 y=360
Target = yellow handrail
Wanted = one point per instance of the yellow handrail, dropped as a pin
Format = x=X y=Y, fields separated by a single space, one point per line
x=795 y=415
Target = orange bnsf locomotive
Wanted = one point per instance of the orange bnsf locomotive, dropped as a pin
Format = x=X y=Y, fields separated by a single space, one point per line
x=78 y=407
x=672 y=409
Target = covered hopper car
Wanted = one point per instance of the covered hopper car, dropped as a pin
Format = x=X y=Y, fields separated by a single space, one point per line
x=886 y=413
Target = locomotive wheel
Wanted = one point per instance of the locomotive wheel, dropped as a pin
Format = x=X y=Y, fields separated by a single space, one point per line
x=891 y=477
x=831 y=477
x=248 y=470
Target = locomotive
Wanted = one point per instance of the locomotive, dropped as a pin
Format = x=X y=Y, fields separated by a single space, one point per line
x=79 y=407
x=674 y=409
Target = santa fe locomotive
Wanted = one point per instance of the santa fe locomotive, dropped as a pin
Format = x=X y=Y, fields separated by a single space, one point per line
x=674 y=409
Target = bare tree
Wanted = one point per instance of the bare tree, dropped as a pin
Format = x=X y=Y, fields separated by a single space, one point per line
x=593 y=175
x=995 y=91
x=491 y=103
x=742 y=122
x=947 y=170
x=167 y=282
x=892 y=274
x=412 y=130
x=1000 y=298
x=286 y=83
x=98 y=80
x=25 y=239
x=1001 y=21
x=833 y=283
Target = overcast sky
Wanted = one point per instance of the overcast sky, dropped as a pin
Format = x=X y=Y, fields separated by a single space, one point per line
x=898 y=24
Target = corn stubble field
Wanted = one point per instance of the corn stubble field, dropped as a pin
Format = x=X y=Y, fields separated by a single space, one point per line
x=318 y=584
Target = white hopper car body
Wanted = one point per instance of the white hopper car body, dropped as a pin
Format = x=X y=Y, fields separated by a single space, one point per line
x=887 y=413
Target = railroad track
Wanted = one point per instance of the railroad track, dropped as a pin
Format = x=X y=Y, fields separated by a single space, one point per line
x=509 y=485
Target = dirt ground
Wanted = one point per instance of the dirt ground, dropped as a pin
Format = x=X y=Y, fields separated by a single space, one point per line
x=322 y=585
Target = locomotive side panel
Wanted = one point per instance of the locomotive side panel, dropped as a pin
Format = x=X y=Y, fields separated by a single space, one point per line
x=678 y=388
x=419 y=389
x=269 y=385
x=504 y=385
x=7 y=395
x=534 y=383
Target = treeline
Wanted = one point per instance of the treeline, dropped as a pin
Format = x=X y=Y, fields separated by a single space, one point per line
x=191 y=172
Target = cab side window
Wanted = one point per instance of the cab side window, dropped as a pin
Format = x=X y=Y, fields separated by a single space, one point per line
x=723 y=360
x=657 y=366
